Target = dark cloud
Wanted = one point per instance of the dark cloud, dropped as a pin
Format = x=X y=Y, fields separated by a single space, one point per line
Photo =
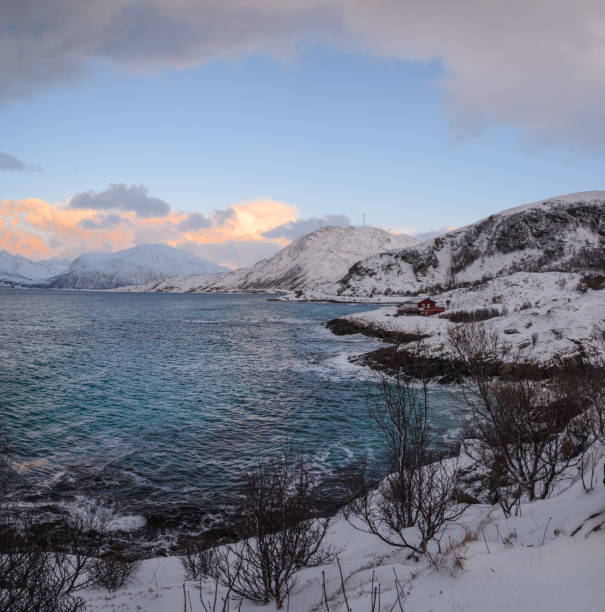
x=194 y=222
x=104 y=222
x=197 y=221
x=121 y=197
x=533 y=64
x=222 y=215
x=8 y=162
x=294 y=229
x=44 y=41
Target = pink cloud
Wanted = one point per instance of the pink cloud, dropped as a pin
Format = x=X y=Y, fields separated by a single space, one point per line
x=38 y=229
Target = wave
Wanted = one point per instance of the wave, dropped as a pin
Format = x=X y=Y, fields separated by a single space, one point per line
x=98 y=517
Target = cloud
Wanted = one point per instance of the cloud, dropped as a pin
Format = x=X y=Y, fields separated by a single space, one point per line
x=232 y=236
x=233 y=254
x=8 y=162
x=223 y=215
x=534 y=64
x=294 y=229
x=103 y=222
x=193 y=222
x=121 y=197
x=433 y=233
x=196 y=221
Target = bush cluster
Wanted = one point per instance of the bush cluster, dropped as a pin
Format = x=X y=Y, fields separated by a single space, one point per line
x=470 y=316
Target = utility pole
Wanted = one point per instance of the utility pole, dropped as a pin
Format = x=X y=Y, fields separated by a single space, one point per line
x=364 y=219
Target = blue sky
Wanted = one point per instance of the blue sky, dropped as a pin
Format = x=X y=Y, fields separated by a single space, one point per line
x=328 y=130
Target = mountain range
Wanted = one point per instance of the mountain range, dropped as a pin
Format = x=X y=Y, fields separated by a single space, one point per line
x=563 y=233
x=135 y=266
x=308 y=263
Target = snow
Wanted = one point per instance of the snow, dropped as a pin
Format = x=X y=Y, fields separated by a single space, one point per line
x=134 y=266
x=545 y=235
x=19 y=270
x=319 y=258
x=543 y=314
x=550 y=557
x=570 y=198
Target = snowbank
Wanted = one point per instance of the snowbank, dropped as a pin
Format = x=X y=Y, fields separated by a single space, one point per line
x=550 y=557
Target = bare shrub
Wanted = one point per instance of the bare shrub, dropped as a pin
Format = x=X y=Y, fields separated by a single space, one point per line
x=595 y=282
x=469 y=316
x=279 y=533
x=35 y=574
x=375 y=593
x=114 y=569
x=216 y=602
x=527 y=433
x=588 y=257
x=199 y=556
x=420 y=491
x=480 y=350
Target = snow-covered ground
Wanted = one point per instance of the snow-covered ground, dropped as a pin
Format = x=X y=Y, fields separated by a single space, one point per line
x=549 y=558
x=542 y=314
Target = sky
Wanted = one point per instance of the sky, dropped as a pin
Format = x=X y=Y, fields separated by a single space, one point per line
x=231 y=128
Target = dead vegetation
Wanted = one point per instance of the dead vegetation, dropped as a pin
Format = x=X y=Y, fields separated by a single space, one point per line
x=278 y=535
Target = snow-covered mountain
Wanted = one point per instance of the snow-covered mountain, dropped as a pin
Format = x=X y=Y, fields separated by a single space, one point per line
x=323 y=256
x=139 y=265
x=563 y=233
x=15 y=269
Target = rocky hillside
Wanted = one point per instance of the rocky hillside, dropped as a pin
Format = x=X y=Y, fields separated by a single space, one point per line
x=138 y=265
x=311 y=261
x=564 y=233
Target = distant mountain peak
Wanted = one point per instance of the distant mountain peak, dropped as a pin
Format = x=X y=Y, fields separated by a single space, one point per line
x=137 y=265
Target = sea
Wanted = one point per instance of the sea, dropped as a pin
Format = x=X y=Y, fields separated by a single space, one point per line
x=146 y=411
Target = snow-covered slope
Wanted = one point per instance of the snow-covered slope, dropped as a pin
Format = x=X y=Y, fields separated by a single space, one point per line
x=561 y=233
x=136 y=266
x=549 y=557
x=311 y=261
x=15 y=269
x=544 y=316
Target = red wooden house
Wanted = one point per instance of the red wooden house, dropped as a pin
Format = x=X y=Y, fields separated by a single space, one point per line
x=425 y=307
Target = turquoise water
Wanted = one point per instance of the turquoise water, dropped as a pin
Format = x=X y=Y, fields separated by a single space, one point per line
x=150 y=407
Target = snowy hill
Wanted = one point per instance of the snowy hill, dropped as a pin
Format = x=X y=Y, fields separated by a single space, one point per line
x=323 y=256
x=563 y=233
x=15 y=269
x=138 y=265
x=543 y=316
